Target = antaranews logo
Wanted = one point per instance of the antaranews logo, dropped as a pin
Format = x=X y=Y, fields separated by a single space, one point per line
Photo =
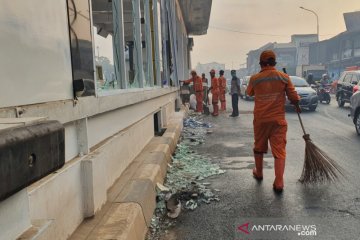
x=244 y=228
x=270 y=230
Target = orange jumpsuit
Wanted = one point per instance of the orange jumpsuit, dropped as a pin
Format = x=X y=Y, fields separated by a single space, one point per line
x=269 y=88
x=222 y=87
x=215 y=91
x=198 y=88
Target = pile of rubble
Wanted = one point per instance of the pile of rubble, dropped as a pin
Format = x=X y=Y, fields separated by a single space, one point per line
x=184 y=188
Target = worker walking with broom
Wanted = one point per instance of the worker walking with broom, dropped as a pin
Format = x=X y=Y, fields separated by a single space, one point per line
x=270 y=88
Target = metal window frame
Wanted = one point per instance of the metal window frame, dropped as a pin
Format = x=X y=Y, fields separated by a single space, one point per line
x=172 y=34
x=139 y=75
x=157 y=42
x=149 y=76
x=119 y=64
x=120 y=38
x=164 y=33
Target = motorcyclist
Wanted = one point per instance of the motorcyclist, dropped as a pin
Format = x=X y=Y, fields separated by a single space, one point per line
x=324 y=84
x=310 y=79
x=324 y=80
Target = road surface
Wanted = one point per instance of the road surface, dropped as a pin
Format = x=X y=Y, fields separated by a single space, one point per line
x=334 y=209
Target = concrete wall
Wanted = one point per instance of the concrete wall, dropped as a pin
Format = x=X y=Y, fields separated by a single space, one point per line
x=79 y=189
x=14 y=215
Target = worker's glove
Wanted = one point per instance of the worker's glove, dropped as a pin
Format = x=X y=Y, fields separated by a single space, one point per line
x=297 y=107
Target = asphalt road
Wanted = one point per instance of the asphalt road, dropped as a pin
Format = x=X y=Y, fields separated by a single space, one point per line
x=334 y=209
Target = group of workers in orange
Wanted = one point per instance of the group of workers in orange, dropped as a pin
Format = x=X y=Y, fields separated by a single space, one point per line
x=217 y=88
x=270 y=88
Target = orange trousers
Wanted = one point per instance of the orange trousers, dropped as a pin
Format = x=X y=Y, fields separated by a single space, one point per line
x=223 y=101
x=199 y=101
x=215 y=102
x=275 y=133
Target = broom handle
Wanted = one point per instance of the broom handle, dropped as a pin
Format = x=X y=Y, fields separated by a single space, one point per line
x=301 y=123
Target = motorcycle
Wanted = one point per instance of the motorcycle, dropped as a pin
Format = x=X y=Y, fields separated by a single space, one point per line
x=323 y=92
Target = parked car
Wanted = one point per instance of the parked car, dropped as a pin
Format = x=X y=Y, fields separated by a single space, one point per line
x=309 y=98
x=347 y=84
x=355 y=108
x=244 y=83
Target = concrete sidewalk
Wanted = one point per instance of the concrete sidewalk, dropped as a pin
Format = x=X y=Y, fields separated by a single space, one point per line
x=132 y=199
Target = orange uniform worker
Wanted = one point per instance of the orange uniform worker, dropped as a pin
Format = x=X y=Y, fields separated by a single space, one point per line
x=269 y=88
x=222 y=88
x=198 y=88
x=215 y=91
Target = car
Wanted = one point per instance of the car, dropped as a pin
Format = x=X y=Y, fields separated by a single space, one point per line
x=355 y=108
x=346 y=86
x=309 y=98
x=244 y=83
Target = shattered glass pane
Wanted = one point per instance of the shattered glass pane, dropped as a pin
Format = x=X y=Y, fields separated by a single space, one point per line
x=184 y=180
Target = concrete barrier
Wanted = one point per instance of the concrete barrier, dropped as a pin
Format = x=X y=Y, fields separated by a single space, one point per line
x=132 y=199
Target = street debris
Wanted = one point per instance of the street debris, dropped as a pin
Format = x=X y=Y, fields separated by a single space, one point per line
x=162 y=188
x=195 y=131
x=184 y=189
x=173 y=205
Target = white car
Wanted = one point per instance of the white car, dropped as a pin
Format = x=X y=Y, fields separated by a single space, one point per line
x=309 y=98
x=243 y=86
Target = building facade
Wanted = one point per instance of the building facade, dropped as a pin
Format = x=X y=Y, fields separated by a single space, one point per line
x=289 y=55
x=127 y=56
x=337 y=53
x=285 y=54
x=341 y=51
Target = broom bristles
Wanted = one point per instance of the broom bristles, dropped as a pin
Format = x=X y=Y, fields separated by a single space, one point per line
x=318 y=166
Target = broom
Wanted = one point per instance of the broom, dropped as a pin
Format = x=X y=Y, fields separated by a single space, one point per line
x=318 y=166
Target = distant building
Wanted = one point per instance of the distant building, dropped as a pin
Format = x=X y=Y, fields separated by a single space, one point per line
x=206 y=68
x=285 y=53
x=252 y=62
x=289 y=55
x=240 y=73
x=302 y=43
x=341 y=51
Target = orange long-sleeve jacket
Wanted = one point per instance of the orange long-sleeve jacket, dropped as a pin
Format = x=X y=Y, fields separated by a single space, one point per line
x=222 y=84
x=198 y=83
x=215 y=87
x=270 y=88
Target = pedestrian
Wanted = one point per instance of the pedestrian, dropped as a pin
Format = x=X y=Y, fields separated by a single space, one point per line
x=198 y=88
x=205 y=87
x=222 y=88
x=205 y=80
x=269 y=88
x=235 y=92
x=215 y=91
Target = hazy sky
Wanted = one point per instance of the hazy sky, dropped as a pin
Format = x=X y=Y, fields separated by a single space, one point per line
x=275 y=17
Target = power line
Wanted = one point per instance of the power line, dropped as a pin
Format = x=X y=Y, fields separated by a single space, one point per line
x=249 y=33
x=257 y=34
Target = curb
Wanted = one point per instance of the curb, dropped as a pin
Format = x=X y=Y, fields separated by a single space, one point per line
x=132 y=199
